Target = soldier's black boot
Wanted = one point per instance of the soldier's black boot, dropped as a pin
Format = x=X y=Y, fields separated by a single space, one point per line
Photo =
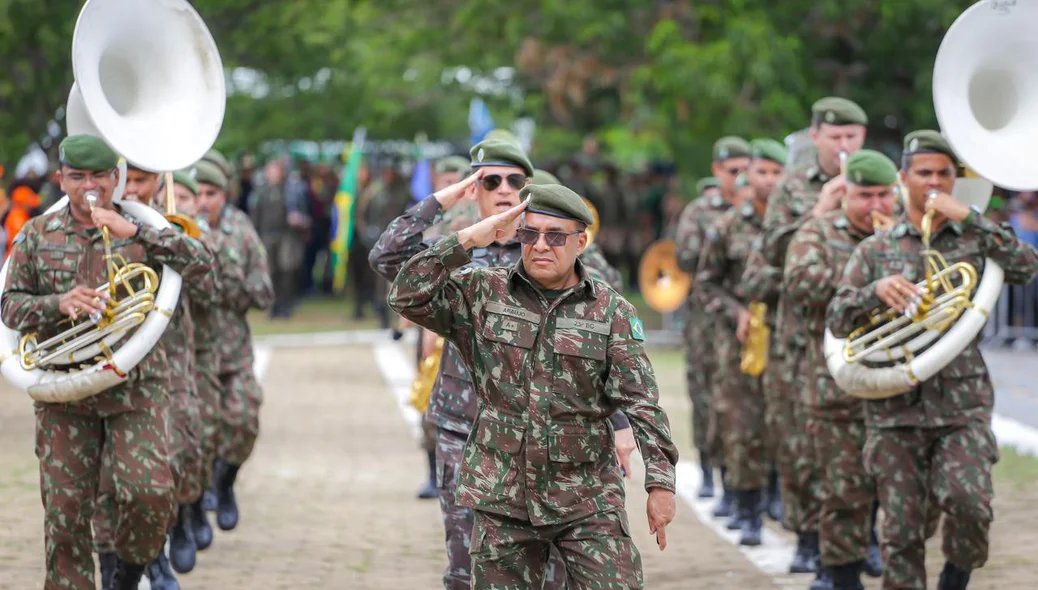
x=804 y=561
x=159 y=574
x=182 y=547
x=226 y=505
x=429 y=491
x=201 y=530
x=874 y=562
x=127 y=576
x=108 y=562
x=209 y=495
x=706 y=488
x=725 y=507
x=953 y=577
x=848 y=576
x=749 y=507
x=773 y=499
x=823 y=581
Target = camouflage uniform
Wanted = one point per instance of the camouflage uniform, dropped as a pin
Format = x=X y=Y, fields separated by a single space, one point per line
x=128 y=422
x=789 y=206
x=700 y=359
x=817 y=256
x=452 y=404
x=540 y=469
x=244 y=284
x=739 y=402
x=936 y=439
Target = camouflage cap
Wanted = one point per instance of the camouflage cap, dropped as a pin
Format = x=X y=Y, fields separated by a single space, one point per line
x=871 y=168
x=705 y=183
x=768 y=149
x=183 y=177
x=544 y=177
x=452 y=164
x=221 y=161
x=207 y=172
x=499 y=152
x=928 y=141
x=86 y=152
x=557 y=201
x=835 y=110
x=731 y=146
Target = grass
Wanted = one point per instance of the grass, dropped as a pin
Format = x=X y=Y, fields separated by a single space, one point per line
x=1015 y=469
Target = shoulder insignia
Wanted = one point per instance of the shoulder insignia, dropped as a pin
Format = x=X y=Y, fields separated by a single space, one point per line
x=637 y=329
x=18 y=239
x=716 y=201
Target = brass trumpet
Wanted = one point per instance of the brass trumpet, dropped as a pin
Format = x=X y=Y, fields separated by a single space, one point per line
x=881 y=222
x=186 y=224
x=755 y=347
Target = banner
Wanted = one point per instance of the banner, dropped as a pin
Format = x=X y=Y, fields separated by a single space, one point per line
x=480 y=121
x=343 y=205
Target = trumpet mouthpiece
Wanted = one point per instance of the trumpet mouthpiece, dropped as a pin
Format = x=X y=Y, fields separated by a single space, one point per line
x=91 y=197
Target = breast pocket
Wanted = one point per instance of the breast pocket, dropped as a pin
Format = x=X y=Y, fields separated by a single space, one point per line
x=505 y=346
x=59 y=270
x=580 y=365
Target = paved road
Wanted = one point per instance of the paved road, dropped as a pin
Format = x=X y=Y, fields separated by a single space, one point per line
x=1016 y=389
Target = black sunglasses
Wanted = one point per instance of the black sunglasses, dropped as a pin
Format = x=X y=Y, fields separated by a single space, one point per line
x=492 y=181
x=529 y=236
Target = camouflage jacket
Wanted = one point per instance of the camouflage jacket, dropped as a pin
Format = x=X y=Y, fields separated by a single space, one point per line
x=453 y=401
x=244 y=284
x=817 y=256
x=962 y=391
x=696 y=218
x=205 y=315
x=55 y=253
x=548 y=376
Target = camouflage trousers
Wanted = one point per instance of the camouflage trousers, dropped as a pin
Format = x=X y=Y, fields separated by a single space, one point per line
x=740 y=407
x=429 y=429
x=799 y=474
x=953 y=466
x=70 y=445
x=597 y=552
x=700 y=367
x=210 y=413
x=240 y=402
x=458 y=520
x=848 y=492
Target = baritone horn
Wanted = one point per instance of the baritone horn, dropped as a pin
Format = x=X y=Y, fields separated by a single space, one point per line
x=662 y=282
x=755 y=348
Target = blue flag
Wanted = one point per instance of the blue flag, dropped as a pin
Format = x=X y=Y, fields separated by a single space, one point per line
x=480 y=121
x=421 y=180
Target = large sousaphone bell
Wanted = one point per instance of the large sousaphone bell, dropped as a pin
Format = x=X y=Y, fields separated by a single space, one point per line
x=983 y=83
x=150 y=82
x=662 y=282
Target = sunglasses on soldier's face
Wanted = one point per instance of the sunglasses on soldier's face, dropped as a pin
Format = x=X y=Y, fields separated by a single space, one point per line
x=492 y=181
x=529 y=236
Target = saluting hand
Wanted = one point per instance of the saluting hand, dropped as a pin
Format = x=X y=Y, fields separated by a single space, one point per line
x=117 y=225
x=453 y=194
x=490 y=229
x=660 y=509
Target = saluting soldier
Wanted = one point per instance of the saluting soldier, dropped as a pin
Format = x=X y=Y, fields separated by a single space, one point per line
x=52 y=259
x=739 y=401
x=809 y=191
x=936 y=439
x=817 y=256
x=731 y=156
x=244 y=284
x=554 y=355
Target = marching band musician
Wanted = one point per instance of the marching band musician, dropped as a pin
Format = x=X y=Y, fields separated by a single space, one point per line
x=716 y=195
x=554 y=355
x=739 y=402
x=245 y=284
x=52 y=261
x=935 y=440
x=837 y=126
x=836 y=421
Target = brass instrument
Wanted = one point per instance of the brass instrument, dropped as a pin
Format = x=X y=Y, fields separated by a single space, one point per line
x=881 y=222
x=593 y=229
x=186 y=224
x=662 y=282
x=421 y=388
x=755 y=347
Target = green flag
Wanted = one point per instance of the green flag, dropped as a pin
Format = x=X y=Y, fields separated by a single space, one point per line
x=343 y=205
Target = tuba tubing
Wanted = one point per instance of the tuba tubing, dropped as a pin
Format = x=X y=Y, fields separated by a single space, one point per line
x=877 y=383
x=59 y=387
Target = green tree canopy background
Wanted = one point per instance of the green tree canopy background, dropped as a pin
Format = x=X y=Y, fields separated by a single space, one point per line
x=650 y=78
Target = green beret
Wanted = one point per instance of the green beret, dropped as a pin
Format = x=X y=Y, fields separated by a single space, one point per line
x=557 y=201
x=731 y=146
x=452 y=164
x=928 y=141
x=86 y=152
x=184 y=177
x=544 y=177
x=705 y=183
x=502 y=134
x=499 y=152
x=838 y=111
x=871 y=168
x=221 y=161
x=768 y=149
x=741 y=180
x=207 y=172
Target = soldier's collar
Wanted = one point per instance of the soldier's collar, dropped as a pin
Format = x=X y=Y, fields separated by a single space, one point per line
x=905 y=227
x=586 y=286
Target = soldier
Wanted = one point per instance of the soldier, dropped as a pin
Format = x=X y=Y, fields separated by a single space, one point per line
x=816 y=259
x=731 y=156
x=935 y=439
x=708 y=188
x=811 y=190
x=739 y=402
x=244 y=284
x=554 y=355
x=280 y=213
x=50 y=263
